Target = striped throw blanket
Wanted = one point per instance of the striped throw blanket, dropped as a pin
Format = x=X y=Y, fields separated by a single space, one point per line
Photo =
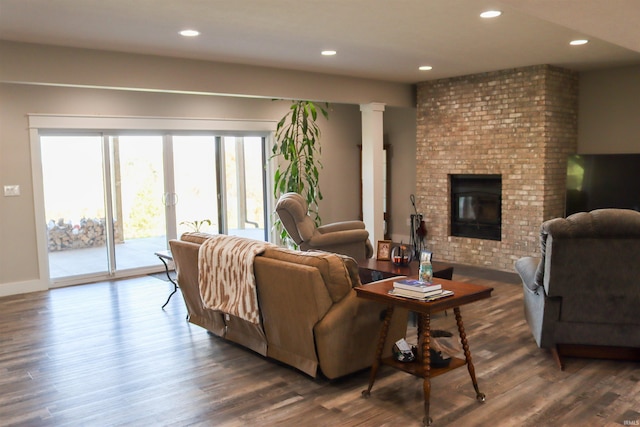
x=225 y=275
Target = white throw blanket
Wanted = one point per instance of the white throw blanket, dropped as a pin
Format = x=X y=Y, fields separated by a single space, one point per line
x=225 y=275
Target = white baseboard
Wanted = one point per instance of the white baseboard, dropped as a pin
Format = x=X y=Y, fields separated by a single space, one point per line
x=15 y=288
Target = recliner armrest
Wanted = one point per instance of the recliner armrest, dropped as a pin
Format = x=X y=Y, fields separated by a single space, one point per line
x=527 y=267
x=341 y=226
x=347 y=236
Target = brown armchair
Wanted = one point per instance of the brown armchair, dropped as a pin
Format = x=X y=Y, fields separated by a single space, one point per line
x=345 y=237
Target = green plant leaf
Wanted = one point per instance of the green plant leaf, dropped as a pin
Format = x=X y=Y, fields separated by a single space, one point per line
x=298 y=143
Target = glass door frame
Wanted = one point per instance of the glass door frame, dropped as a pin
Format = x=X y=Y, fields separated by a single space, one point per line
x=110 y=126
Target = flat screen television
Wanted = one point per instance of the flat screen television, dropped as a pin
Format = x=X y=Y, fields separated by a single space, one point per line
x=596 y=181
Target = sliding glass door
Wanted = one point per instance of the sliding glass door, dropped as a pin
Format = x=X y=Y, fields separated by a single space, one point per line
x=244 y=187
x=103 y=203
x=111 y=201
x=74 y=195
x=137 y=189
x=196 y=192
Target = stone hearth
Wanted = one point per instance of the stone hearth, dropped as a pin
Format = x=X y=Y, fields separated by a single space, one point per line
x=520 y=124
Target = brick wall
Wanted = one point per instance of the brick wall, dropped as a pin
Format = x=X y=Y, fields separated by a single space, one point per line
x=519 y=123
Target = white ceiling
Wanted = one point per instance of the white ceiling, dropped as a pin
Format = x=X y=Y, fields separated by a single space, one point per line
x=377 y=39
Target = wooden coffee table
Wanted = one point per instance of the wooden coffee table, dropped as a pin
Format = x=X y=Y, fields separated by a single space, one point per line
x=372 y=269
x=463 y=293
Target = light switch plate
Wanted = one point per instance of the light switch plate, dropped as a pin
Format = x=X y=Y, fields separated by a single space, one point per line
x=11 y=190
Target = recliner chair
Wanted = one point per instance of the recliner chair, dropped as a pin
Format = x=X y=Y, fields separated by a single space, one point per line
x=582 y=297
x=345 y=237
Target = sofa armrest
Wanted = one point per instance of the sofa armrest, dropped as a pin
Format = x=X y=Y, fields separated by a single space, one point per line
x=185 y=257
x=293 y=298
x=347 y=336
x=527 y=268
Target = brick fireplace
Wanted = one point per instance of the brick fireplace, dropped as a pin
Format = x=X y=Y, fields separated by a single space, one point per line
x=519 y=124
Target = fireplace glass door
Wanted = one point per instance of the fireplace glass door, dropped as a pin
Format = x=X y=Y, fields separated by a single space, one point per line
x=476 y=206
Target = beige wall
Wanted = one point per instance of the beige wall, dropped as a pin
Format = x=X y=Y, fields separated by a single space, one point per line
x=400 y=134
x=609 y=111
x=18 y=260
x=38 y=64
x=37 y=79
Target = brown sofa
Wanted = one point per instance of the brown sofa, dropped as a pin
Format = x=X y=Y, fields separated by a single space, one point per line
x=311 y=318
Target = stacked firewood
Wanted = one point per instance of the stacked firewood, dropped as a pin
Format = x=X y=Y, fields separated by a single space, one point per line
x=64 y=235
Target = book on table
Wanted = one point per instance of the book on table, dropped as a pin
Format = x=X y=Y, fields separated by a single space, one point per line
x=417 y=294
x=436 y=295
x=416 y=285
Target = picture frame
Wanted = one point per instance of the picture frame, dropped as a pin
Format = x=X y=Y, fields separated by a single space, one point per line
x=384 y=250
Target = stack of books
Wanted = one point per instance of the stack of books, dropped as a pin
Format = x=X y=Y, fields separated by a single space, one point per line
x=417 y=289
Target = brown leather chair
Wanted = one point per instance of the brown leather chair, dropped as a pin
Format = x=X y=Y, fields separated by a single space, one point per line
x=345 y=237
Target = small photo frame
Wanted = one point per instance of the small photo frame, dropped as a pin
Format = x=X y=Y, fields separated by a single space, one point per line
x=384 y=250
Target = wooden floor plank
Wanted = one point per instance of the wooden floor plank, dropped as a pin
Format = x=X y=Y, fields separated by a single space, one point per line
x=106 y=354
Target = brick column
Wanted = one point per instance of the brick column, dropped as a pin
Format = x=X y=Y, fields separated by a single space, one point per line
x=519 y=123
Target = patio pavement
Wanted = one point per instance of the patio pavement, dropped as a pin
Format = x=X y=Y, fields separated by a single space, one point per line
x=135 y=256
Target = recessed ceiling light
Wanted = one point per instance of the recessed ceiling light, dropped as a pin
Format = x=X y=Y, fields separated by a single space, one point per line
x=329 y=52
x=425 y=68
x=189 y=33
x=490 y=14
x=578 y=42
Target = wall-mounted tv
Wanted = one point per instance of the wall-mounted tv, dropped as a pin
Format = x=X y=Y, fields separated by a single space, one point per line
x=596 y=181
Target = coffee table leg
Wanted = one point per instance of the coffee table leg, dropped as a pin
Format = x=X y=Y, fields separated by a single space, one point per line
x=376 y=361
x=424 y=344
x=467 y=354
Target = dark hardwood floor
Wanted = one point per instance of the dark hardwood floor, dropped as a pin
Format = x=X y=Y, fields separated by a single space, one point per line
x=105 y=354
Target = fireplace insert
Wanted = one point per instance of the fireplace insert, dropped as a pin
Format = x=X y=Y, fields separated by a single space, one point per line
x=476 y=206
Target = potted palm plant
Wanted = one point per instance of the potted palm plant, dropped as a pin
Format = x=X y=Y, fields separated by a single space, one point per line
x=298 y=143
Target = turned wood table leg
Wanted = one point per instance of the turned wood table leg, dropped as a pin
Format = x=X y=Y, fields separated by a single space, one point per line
x=467 y=355
x=424 y=344
x=376 y=361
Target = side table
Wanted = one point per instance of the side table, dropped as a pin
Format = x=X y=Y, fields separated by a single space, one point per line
x=463 y=293
x=371 y=269
x=164 y=257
